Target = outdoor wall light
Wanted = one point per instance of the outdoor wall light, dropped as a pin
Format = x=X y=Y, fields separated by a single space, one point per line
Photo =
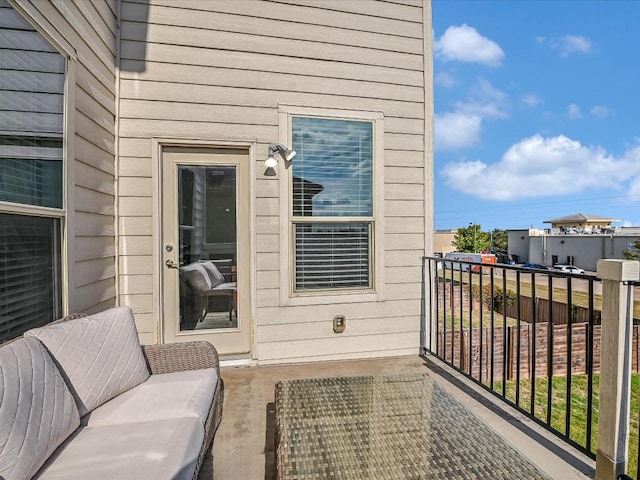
x=278 y=149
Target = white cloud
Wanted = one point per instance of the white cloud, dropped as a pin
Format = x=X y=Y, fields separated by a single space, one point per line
x=531 y=100
x=454 y=131
x=485 y=101
x=634 y=189
x=567 y=44
x=464 y=44
x=539 y=167
x=574 y=112
x=601 y=111
x=444 y=79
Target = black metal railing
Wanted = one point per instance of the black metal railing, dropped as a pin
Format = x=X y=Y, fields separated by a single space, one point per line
x=529 y=336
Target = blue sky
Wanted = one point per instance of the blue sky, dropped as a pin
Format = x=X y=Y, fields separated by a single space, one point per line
x=537 y=111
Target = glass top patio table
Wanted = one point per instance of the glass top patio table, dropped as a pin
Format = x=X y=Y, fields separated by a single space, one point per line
x=386 y=427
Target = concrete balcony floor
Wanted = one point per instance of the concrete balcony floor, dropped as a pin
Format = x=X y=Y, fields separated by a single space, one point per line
x=243 y=448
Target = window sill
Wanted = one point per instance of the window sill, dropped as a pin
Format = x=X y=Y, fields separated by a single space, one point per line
x=330 y=297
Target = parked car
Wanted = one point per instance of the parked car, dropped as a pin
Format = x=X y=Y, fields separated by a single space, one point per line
x=535 y=266
x=569 y=269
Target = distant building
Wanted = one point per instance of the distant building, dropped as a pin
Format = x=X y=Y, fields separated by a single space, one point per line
x=579 y=240
x=583 y=222
x=443 y=241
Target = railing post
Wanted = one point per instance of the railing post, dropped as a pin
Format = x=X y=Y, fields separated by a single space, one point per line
x=615 y=370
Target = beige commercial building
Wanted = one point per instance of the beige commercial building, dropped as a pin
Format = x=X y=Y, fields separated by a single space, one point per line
x=443 y=241
x=135 y=144
x=579 y=240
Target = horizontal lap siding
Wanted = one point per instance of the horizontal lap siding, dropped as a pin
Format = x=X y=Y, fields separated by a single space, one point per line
x=219 y=70
x=89 y=27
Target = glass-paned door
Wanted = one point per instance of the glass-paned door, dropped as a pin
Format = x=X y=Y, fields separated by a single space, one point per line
x=205 y=247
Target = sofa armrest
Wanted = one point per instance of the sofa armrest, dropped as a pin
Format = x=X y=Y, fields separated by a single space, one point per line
x=177 y=357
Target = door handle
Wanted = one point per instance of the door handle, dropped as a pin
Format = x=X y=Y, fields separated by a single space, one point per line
x=171 y=264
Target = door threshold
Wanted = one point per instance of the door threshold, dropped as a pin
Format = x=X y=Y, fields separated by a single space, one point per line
x=237 y=361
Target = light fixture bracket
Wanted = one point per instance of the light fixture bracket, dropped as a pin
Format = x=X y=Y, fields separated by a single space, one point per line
x=280 y=149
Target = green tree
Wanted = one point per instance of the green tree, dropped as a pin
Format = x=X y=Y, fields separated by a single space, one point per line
x=632 y=253
x=499 y=240
x=471 y=239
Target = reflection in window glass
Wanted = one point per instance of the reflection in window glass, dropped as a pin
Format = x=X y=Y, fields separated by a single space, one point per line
x=207 y=247
x=31 y=114
x=221 y=205
x=332 y=171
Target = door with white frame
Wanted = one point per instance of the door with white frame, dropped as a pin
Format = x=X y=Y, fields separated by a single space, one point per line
x=205 y=246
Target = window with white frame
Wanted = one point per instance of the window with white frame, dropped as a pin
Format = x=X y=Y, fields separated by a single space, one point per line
x=332 y=199
x=31 y=176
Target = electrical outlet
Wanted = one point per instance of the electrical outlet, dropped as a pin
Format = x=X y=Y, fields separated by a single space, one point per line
x=339 y=323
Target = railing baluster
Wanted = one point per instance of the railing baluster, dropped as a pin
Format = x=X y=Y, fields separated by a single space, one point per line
x=493 y=326
x=589 y=361
x=505 y=364
x=569 y=359
x=460 y=335
x=518 y=320
x=435 y=288
x=470 y=356
x=550 y=349
x=480 y=342
x=532 y=357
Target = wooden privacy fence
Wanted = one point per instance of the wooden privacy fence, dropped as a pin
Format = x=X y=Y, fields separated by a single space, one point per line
x=559 y=311
x=479 y=351
x=452 y=294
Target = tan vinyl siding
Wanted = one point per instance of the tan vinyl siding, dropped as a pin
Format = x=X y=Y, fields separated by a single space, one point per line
x=218 y=71
x=89 y=28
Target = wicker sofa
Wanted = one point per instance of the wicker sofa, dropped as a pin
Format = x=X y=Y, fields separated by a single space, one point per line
x=81 y=398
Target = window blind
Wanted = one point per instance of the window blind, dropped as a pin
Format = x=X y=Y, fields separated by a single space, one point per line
x=332 y=255
x=29 y=273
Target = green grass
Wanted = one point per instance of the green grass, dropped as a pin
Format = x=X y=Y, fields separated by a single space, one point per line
x=473 y=318
x=578 y=417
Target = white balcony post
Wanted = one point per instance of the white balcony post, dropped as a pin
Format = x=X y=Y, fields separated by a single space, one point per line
x=615 y=366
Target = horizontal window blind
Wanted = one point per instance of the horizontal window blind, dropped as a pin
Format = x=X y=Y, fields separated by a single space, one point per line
x=332 y=255
x=29 y=273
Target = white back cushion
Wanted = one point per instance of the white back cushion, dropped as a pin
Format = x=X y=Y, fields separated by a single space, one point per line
x=215 y=277
x=37 y=411
x=100 y=355
x=196 y=277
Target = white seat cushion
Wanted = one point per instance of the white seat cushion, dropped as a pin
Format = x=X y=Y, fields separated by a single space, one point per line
x=164 y=396
x=99 y=355
x=162 y=449
x=37 y=410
